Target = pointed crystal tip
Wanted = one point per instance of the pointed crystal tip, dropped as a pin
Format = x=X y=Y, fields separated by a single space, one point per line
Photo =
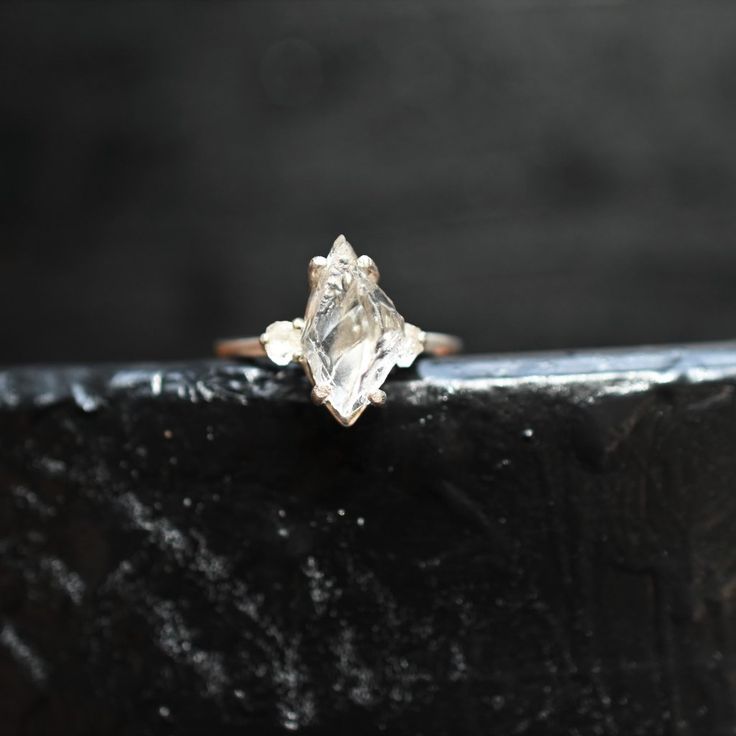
x=342 y=250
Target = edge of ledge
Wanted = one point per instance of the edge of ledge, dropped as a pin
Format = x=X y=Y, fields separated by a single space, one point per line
x=608 y=370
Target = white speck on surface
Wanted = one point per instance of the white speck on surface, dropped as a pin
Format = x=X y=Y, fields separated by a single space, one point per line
x=23 y=654
x=46 y=398
x=194 y=552
x=85 y=400
x=459 y=669
x=52 y=466
x=205 y=391
x=296 y=706
x=8 y=395
x=175 y=640
x=33 y=502
x=354 y=677
x=65 y=579
x=320 y=586
x=130 y=378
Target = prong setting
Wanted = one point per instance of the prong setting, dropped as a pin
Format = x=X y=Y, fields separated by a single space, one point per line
x=315 y=267
x=377 y=398
x=368 y=266
x=320 y=395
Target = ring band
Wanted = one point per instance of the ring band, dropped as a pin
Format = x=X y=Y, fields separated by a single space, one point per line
x=437 y=344
x=350 y=338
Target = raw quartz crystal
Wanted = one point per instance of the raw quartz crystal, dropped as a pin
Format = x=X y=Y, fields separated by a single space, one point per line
x=353 y=335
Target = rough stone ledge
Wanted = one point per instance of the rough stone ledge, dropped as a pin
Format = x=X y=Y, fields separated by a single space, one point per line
x=514 y=544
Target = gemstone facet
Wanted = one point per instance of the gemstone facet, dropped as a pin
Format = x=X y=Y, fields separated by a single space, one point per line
x=353 y=335
x=412 y=345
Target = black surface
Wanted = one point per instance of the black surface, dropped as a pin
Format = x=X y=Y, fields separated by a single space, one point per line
x=532 y=175
x=515 y=545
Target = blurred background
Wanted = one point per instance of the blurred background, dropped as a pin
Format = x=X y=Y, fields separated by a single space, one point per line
x=530 y=175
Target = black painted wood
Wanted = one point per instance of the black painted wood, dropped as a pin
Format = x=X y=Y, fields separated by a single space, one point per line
x=523 y=544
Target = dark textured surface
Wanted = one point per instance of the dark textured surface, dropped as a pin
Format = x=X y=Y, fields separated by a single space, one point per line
x=534 y=174
x=522 y=545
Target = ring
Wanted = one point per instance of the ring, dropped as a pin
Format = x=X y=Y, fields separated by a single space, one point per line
x=350 y=338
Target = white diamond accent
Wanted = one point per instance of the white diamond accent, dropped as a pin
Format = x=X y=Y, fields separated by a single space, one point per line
x=353 y=335
x=282 y=342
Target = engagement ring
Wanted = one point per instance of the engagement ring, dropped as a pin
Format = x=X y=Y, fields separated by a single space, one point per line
x=350 y=338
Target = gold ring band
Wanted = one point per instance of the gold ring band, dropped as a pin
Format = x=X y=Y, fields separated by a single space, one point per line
x=437 y=344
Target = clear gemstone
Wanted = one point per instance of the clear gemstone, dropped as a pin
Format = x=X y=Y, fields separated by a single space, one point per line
x=282 y=342
x=353 y=334
x=411 y=346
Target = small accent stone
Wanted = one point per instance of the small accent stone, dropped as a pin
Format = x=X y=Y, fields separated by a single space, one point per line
x=282 y=342
x=411 y=346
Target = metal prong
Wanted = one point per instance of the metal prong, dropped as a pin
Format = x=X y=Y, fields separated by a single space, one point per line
x=320 y=394
x=299 y=326
x=315 y=266
x=377 y=398
x=368 y=265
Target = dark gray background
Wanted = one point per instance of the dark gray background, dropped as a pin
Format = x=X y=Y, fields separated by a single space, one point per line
x=529 y=175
